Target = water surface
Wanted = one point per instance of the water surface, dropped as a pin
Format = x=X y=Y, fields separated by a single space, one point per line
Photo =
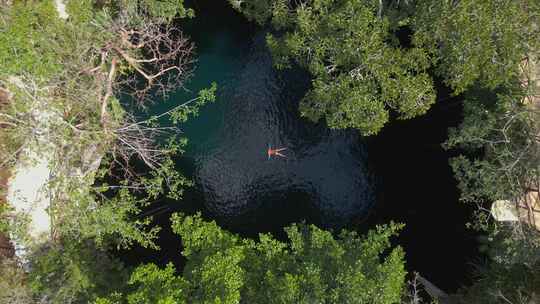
x=323 y=178
x=329 y=178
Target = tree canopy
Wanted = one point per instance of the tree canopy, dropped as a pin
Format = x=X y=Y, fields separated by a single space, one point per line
x=502 y=131
x=363 y=69
x=360 y=70
x=312 y=267
x=75 y=70
x=73 y=273
x=477 y=41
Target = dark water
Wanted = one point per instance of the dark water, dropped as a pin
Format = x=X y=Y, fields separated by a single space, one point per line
x=326 y=168
x=329 y=178
x=323 y=178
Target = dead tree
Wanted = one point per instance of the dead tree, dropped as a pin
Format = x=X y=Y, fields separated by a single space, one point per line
x=158 y=59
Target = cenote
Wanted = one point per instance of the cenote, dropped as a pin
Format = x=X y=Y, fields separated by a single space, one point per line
x=333 y=179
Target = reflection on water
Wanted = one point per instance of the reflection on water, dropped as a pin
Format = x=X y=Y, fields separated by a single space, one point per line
x=324 y=171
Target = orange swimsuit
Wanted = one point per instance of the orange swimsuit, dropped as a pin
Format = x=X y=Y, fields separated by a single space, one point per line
x=271 y=152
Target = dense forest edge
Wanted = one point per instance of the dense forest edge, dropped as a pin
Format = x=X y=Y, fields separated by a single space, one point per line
x=72 y=73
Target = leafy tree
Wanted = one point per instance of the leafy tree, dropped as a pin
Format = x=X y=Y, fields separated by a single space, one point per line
x=152 y=285
x=27 y=39
x=74 y=70
x=503 y=131
x=516 y=284
x=13 y=287
x=360 y=70
x=73 y=273
x=313 y=267
x=477 y=41
x=500 y=131
x=512 y=275
x=4 y=217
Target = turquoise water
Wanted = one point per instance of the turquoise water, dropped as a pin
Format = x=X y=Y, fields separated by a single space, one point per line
x=323 y=178
x=329 y=178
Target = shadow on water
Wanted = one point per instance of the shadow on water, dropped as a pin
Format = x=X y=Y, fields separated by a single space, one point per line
x=326 y=178
x=415 y=186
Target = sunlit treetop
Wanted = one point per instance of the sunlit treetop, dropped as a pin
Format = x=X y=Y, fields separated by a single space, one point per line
x=478 y=41
x=360 y=71
x=314 y=266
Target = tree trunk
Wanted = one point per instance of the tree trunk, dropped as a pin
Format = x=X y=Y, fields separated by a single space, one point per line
x=435 y=292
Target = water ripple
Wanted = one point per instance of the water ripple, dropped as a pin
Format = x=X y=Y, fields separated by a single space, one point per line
x=260 y=110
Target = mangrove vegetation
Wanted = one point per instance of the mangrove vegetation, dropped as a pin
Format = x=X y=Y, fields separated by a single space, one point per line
x=95 y=110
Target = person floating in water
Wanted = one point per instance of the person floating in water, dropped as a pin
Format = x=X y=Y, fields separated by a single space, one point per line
x=275 y=152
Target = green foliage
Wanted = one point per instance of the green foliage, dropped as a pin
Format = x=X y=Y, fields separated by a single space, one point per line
x=478 y=46
x=182 y=112
x=13 y=287
x=360 y=70
x=80 y=11
x=110 y=213
x=5 y=211
x=159 y=11
x=506 y=282
x=214 y=256
x=480 y=41
x=114 y=220
x=35 y=43
x=27 y=39
x=166 y=10
x=73 y=273
x=502 y=131
x=15 y=224
x=313 y=267
x=152 y=285
x=53 y=59
x=157 y=286
x=148 y=284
